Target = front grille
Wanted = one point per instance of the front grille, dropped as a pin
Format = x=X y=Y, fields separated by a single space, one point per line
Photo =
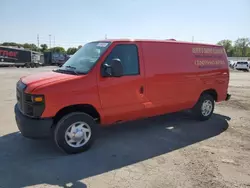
x=20 y=88
x=24 y=99
x=25 y=103
x=27 y=98
x=28 y=109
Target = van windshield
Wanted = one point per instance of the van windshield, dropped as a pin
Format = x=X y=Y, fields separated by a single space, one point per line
x=85 y=58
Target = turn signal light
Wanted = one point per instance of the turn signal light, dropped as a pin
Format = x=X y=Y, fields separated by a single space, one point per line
x=37 y=99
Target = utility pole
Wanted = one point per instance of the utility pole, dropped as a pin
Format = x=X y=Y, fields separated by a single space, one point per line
x=49 y=40
x=106 y=36
x=192 y=38
x=38 y=40
x=54 y=41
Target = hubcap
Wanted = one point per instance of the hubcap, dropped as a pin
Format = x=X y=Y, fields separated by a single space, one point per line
x=78 y=134
x=206 y=107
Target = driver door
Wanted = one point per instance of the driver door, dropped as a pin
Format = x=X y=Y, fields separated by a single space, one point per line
x=122 y=97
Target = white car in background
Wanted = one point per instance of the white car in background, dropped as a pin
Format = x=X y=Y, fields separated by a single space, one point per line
x=242 y=65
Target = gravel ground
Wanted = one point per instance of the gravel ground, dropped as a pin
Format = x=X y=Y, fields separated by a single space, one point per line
x=167 y=151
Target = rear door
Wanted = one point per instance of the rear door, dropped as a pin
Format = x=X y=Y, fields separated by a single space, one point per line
x=122 y=97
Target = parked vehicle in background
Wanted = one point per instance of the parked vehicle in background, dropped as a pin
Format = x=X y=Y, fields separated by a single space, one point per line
x=231 y=64
x=111 y=81
x=242 y=65
x=55 y=58
x=19 y=57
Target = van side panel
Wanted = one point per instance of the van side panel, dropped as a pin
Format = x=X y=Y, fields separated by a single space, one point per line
x=177 y=73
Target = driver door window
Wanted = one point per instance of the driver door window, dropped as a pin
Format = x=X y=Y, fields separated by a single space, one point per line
x=128 y=54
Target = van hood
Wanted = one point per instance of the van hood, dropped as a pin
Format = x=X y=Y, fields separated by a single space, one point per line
x=35 y=80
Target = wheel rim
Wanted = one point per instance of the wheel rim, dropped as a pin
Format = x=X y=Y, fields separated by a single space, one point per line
x=78 y=134
x=206 y=108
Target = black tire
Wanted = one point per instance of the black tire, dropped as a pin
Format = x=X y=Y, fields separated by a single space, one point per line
x=27 y=65
x=65 y=123
x=197 y=110
x=32 y=65
x=17 y=66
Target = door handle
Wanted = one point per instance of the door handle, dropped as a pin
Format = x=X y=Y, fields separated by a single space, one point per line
x=141 y=90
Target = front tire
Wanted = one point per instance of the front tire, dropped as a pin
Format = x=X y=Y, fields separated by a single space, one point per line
x=75 y=132
x=204 y=108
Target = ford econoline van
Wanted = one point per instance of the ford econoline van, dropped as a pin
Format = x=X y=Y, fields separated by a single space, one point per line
x=112 y=81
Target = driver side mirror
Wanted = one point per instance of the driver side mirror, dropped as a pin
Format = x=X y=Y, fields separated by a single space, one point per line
x=113 y=69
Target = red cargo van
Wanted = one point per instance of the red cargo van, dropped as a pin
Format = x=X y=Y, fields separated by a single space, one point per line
x=112 y=81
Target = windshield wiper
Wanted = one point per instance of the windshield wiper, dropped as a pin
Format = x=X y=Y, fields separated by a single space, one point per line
x=66 y=71
x=72 y=68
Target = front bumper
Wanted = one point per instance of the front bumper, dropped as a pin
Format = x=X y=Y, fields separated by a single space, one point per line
x=228 y=97
x=33 y=128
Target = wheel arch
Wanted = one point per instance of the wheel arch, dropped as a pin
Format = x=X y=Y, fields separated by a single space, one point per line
x=211 y=92
x=86 y=108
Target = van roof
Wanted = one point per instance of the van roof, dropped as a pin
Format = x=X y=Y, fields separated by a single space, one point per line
x=155 y=40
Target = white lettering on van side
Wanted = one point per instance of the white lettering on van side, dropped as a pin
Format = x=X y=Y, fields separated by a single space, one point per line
x=208 y=62
x=204 y=50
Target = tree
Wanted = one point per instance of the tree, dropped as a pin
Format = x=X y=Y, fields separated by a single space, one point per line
x=44 y=47
x=26 y=45
x=242 y=45
x=227 y=44
x=79 y=47
x=236 y=52
x=58 y=49
x=71 y=51
x=12 y=44
x=248 y=52
x=32 y=47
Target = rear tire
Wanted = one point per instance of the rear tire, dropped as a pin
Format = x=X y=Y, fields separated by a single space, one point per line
x=27 y=65
x=204 y=108
x=73 y=128
x=32 y=65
